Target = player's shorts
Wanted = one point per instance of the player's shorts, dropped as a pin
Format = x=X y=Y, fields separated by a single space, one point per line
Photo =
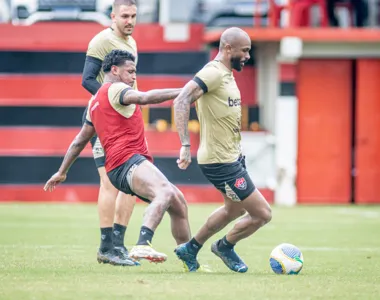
x=231 y=179
x=97 y=149
x=121 y=177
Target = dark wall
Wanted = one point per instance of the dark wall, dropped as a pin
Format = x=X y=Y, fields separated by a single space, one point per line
x=38 y=62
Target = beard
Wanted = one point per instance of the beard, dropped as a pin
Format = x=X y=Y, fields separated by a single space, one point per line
x=236 y=63
x=126 y=31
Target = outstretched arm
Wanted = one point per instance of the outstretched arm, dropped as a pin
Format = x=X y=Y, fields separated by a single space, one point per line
x=76 y=147
x=190 y=93
x=150 y=97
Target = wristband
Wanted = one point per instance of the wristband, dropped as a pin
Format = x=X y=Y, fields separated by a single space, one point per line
x=186 y=145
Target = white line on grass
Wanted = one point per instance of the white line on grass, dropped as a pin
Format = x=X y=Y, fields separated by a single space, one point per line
x=362 y=213
x=45 y=225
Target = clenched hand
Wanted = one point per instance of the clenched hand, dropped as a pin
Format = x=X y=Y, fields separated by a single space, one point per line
x=184 y=158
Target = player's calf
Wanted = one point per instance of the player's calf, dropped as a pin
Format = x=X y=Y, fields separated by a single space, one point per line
x=179 y=218
x=106 y=200
x=164 y=197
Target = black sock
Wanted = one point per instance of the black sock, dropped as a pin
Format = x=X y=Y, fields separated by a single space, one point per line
x=106 y=239
x=224 y=245
x=146 y=235
x=194 y=246
x=118 y=235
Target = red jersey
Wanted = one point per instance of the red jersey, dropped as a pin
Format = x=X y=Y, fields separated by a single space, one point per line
x=120 y=128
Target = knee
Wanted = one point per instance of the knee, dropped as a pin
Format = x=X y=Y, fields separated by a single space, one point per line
x=168 y=193
x=182 y=204
x=265 y=215
x=241 y=212
x=178 y=206
x=106 y=185
x=260 y=218
x=179 y=196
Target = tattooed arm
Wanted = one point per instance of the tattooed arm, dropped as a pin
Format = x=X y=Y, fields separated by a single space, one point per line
x=153 y=96
x=76 y=147
x=190 y=93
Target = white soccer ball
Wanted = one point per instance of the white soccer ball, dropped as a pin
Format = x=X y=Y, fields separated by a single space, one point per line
x=286 y=259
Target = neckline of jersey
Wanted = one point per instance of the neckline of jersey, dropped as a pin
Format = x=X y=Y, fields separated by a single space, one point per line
x=224 y=66
x=113 y=32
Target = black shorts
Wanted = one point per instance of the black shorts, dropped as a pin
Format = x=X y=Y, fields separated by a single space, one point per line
x=121 y=176
x=231 y=179
x=97 y=149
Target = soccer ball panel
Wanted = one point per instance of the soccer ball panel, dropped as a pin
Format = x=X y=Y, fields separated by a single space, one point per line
x=286 y=259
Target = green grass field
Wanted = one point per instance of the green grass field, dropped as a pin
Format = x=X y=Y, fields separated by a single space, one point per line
x=48 y=251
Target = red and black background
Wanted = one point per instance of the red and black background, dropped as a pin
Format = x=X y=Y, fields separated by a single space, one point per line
x=42 y=101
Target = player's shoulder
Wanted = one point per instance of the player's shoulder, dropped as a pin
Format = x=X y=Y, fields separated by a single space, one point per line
x=132 y=41
x=101 y=37
x=118 y=86
x=213 y=66
x=212 y=70
x=117 y=91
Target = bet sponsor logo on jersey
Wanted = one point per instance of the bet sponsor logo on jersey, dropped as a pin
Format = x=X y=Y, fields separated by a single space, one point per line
x=234 y=102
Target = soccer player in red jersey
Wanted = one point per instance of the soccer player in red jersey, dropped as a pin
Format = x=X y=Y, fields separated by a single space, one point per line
x=115 y=116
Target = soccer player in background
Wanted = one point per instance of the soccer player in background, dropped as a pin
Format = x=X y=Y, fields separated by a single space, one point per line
x=219 y=155
x=114 y=114
x=118 y=36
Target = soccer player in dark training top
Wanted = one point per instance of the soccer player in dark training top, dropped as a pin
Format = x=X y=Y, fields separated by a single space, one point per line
x=220 y=158
x=118 y=36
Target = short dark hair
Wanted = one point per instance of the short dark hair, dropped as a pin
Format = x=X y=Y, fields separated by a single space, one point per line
x=117 y=3
x=116 y=58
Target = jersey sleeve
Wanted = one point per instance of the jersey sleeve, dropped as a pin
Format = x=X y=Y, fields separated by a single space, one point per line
x=97 y=48
x=116 y=93
x=209 y=78
x=88 y=120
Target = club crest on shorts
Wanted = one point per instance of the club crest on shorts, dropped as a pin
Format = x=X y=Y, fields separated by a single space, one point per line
x=240 y=183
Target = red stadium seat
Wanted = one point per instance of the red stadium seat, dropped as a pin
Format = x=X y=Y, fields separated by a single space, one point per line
x=275 y=13
x=300 y=10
